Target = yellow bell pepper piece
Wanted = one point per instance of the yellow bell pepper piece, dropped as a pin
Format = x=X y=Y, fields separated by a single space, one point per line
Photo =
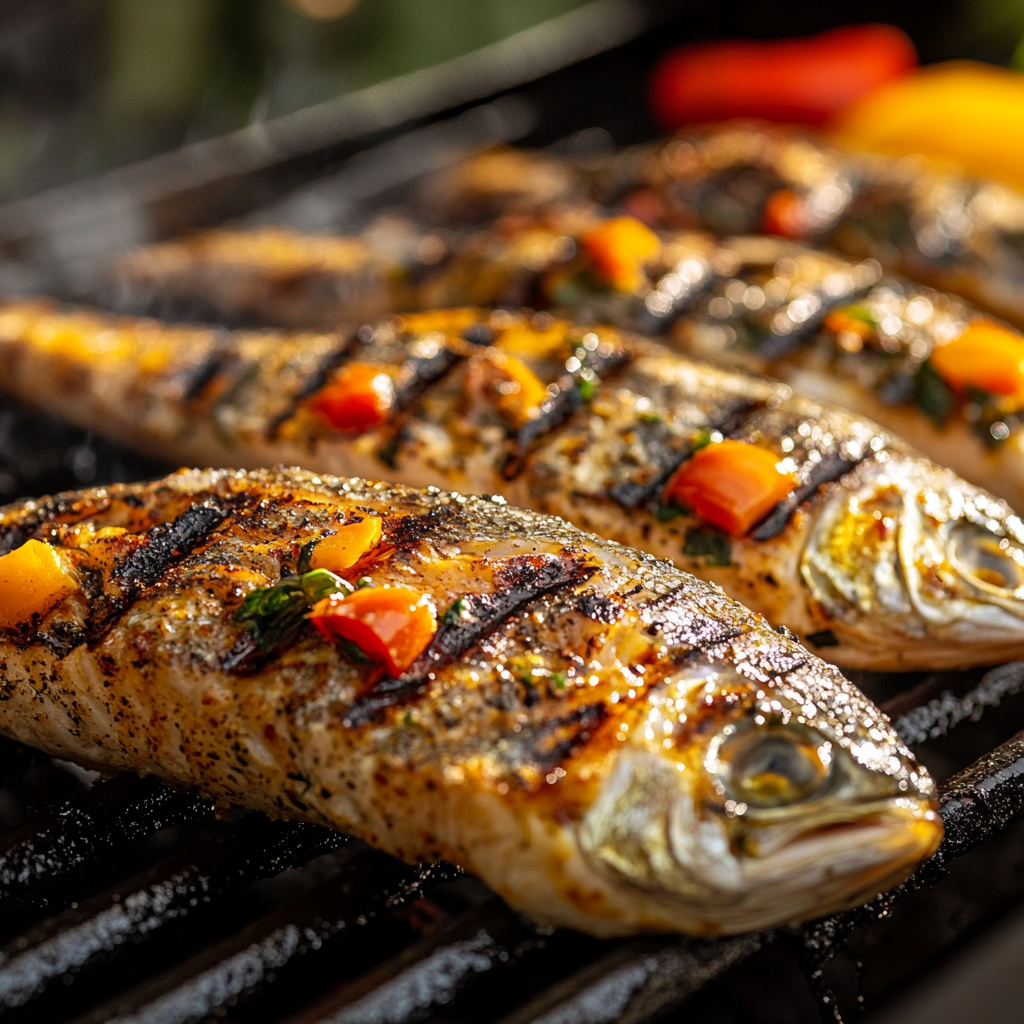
x=987 y=356
x=343 y=549
x=967 y=114
x=33 y=578
x=619 y=248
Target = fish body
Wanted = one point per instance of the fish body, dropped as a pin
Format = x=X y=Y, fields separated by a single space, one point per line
x=878 y=557
x=609 y=743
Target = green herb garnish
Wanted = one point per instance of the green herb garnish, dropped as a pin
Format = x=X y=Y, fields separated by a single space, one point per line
x=932 y=394
x=558 y=680
x=351 y=650
x=387 y=453
x=305 y=556
x=861 y=313
x=666 y=513
x=453 y=613
x=650 y=417
x=701 y=440
x=714 y=547
x=587 y=389
x=274 y=613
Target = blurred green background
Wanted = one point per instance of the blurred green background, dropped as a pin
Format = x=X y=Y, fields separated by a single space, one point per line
x=89 y=84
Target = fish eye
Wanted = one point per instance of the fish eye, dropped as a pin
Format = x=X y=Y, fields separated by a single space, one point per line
x=986 y=557
x=775 y=766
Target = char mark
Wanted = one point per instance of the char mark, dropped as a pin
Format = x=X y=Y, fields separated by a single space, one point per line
x=831 y=467
x=601 y=608
x=66 y=509
x=419 y=372
x=563 y=402
x=730 y=419
x=674 y=617
x=443 y=524
x=316 y=380
x=556 y=739
x=524 y=580
x=196 y=380
x=164 y=545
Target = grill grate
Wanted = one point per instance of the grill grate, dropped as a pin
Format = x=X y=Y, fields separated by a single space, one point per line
x=130 y=901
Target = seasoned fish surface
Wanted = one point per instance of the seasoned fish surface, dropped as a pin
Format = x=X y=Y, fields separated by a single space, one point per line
x=609 y=743
x=818 y=519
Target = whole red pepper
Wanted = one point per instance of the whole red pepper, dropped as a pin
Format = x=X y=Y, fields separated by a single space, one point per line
x=792 y=80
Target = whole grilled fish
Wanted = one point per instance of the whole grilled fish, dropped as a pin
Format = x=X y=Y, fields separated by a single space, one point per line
x=878 y=557
x=830 y=326
x=611 y=744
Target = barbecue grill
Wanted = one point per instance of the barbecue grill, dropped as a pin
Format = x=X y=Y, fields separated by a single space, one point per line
x=125 y=900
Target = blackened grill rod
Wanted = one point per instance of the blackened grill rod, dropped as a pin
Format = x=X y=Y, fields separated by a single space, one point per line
x=111 y=814
x=136 y=909
x=227 y=972
x=429 y=973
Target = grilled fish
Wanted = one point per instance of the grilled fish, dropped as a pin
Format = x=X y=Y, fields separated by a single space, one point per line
x=611 y=744
x=834 y=328
x=819 y=520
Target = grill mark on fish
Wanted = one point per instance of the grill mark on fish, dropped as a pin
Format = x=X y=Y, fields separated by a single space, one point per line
x=522 y=581
x=831 y=467
x=66 y=509
x=196 y=380
x=165 y=544
x=559 y=737
x=317 y=379
x=682 y=625
x=730 y=420
x=600 y=608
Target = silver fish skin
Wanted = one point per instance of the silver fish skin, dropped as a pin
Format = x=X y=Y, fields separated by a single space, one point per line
x=878 y=557
x=609 y=743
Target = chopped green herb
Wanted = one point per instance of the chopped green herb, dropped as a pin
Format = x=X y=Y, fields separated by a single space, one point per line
x=650 y=417
x=453 y=614
x=702 y=440
x=363 y=582
x=587 y=389
x=932 y=393
x=409 y=719
x=387 y=453
x=713 y=546
x=351 y=650
x=824 y=638
x=666 y=513
x=274 y=613
x=558 y=680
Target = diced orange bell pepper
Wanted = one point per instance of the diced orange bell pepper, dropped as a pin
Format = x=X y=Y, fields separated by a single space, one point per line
x=508 y=384
x=842 y=321
x=33 y=578
x=359 y=398
x=393 y=625
x=732 y=485
x=785 y=214
x=343 y=549
x=447 y=320
x=987 y=356
x=619 y=248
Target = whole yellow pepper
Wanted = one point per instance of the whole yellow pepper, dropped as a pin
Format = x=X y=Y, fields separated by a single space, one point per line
x=962 y=113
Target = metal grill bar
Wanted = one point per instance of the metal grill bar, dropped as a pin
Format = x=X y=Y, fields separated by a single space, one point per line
x=229 y=971
x=111 y=814
x=255 y=848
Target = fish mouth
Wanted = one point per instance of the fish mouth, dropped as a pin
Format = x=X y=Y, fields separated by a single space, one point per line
x=840 y=863
x=917 y=557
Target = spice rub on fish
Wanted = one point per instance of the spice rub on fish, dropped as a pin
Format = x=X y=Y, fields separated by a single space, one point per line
x=609 y=743
x=818 y=519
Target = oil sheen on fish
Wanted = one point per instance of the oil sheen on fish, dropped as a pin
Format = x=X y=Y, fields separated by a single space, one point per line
x=819 y=520
x=609 y=743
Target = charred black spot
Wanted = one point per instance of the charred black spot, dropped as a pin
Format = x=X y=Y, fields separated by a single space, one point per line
x=600 y=608
x=823 y=638
x=674 y=617
x=165 y=544
x=831 y=467
x=444 y=523
x=479 y=334
x=60 y=508
x=62 y=638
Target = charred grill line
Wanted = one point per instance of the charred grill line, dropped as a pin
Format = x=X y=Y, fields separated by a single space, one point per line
x=683 y=626
x=314 y=382
x=111 y=814
x=731 y=420
x=196 y=381
x=418 y=373
x=524 y=580
x=831 y=467
x=165 y=544
x=85 y=936
x=59 y=507
x=559 y=737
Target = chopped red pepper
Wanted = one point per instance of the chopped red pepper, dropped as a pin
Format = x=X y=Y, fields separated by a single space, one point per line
x=732 y=485
x=802 y=80
x=358 y=399
x=785 y=214
x=393 y=625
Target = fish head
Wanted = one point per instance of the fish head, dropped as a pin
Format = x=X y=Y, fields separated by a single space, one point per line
x=742 y=803
x=916 y=561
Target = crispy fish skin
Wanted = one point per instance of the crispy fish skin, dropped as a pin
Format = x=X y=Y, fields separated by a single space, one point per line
x=611 y=744
x=879 y=558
